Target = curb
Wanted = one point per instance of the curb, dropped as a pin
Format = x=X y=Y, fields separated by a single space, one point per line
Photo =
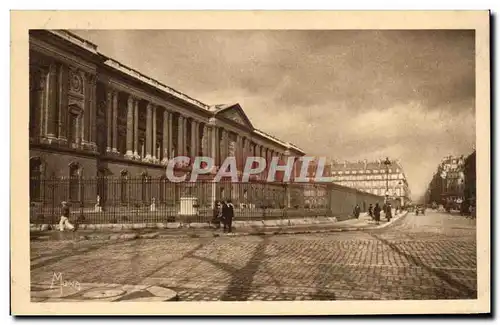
x=262 y=224
x=156 y=235
x=392 y=221
x=214 y=233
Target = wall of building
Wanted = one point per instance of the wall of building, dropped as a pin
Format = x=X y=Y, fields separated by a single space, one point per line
x=344 y=199
x=56 y=164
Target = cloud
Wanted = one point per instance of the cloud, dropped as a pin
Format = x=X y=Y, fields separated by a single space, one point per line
x=345 y=94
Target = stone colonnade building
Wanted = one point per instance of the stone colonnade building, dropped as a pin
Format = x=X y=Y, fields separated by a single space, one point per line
x=93 y=117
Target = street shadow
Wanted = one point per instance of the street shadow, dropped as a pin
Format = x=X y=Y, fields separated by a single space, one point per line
x=322 y=279
x=242 y=279
x=442 y=275
x=135 y=265
x=74 y=253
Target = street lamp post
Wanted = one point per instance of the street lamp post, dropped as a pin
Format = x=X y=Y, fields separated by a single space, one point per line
x=387 y=163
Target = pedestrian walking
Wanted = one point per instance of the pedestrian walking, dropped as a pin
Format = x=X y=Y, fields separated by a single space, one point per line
x=370 y=210
x=64 y=221
x=357 y=211
x=376 y=213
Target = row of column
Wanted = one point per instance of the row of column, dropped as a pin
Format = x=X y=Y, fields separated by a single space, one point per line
x=188 y=129
x=53 y=114
x=244 y=148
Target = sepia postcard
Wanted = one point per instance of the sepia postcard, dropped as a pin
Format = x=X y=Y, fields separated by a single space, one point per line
x=250 y=162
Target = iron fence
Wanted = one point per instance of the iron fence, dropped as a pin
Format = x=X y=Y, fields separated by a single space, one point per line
x=106 y=200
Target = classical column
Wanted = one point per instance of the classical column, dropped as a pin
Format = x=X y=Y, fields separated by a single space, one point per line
x=51 y=120
x=153 y=144
x=115 y=121
x=170 y=133
x=130 y=127
x=246 y=146
x=93 y=111
x=85 y=119
x=198 y=141
x=214 y=145
x=166 y=128
x=239 y=151
x=224 y=147
x=205 y=145
x=243 y=152
x=63 y=103
x=39 y=86
x=185 y=137
x=180 y=136
x=193 y=152
x=149 y=132
x=109 y=119
x=264 y=155
x=250 y=148
x=136 y=128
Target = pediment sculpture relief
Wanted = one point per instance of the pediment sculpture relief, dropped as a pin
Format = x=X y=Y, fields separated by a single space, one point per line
x=235 y=116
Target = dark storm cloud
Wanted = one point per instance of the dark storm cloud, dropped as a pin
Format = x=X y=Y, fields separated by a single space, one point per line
x=347 y=94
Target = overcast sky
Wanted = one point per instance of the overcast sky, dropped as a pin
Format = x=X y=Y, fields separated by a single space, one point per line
x=347 y=95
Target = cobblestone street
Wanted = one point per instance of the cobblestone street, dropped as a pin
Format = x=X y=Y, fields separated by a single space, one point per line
x=419 y=257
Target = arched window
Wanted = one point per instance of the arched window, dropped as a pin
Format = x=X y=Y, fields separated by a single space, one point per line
x=35 y=178
x=74 y=182
x=124 y=186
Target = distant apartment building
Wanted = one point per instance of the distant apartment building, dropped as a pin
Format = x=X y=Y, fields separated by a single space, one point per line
x=373 y=177
x=451 y=172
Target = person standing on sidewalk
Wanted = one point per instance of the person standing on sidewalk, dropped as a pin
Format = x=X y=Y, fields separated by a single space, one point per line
x=64 y=221
x=217 y=214
x=376 y=213
x=388 y=212
x=370 y=211
x=357 y=211
x=227 y=215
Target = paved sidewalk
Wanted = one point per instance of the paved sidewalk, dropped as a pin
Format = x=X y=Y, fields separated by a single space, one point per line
x=363 y=223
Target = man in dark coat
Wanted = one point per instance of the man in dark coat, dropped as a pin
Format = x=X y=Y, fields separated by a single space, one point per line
x=227 y=215
x=388 y=212
x=217 y=214
x=357 y=211
x=376 y=213
x=370 y=211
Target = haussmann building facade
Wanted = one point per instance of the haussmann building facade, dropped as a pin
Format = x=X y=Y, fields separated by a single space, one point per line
x=373 y=177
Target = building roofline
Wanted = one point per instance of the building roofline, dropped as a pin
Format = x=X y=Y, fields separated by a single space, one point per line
x=287 y=145
x=75 y=39
x=153 y=82
x=135 y=74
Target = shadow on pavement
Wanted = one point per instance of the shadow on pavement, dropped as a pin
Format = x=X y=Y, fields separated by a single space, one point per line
x=444 y=276
x=243 y=277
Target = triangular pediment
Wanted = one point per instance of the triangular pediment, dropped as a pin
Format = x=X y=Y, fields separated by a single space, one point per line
x=234 y=113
